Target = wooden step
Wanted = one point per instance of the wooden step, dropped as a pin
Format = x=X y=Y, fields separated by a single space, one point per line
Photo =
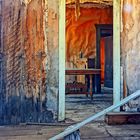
x=115 y=118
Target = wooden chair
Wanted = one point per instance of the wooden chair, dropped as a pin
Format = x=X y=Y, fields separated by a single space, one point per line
x=76 y=88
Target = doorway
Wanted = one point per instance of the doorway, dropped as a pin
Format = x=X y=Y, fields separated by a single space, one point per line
x=116 y=55
x=83 y=40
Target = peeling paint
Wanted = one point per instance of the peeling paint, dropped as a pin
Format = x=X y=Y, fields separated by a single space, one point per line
x=130 y=46
x=27 y=72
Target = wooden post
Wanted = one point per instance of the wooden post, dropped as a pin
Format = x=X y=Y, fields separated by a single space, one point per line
x=98 y=64
x=61 y=110
x=116 y=51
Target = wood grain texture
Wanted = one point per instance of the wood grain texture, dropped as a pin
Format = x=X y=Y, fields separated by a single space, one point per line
x=25 y=56
x=99 y=2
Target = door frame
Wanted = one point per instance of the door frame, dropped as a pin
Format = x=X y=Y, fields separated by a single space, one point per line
x=99 y=29
x=62 y=46
x=116 y=55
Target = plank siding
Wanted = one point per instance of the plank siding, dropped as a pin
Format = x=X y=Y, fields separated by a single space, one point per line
x=24 y=61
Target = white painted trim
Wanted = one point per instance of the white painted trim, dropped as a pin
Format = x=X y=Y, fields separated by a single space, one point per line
x=116 y=52
x=116 y=56
x=61 y=106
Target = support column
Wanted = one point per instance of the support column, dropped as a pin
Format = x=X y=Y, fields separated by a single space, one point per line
x=61 y=110
x=116 y=51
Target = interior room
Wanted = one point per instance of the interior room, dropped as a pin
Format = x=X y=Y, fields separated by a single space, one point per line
x=89 y=54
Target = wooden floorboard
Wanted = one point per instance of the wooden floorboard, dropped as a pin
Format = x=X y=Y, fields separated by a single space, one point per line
x=92 y=131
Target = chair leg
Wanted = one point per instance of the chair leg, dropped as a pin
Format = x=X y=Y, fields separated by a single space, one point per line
x=87 y=81
x=91 y=90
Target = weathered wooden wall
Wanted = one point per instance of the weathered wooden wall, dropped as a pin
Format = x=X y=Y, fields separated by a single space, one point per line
x=130 y=45
x=2 y=87
x=30 y=48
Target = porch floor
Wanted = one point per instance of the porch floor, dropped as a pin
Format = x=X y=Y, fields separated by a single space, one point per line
x=79 y=107
x=93 y=131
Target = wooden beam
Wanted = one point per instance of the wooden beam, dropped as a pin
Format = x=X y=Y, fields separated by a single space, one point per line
x=83 y=71
x=116 y=52
x=61 y=106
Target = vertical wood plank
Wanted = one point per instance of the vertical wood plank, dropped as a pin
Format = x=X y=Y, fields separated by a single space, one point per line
x=98 y=59
x=116 y=51
x=61 y=110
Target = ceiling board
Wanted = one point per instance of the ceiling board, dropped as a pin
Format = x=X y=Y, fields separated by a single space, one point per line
x=96 y=2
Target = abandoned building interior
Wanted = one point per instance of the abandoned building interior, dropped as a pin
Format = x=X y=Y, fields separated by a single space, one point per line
x=81 y=34
x=64 y=60
x=89 y=47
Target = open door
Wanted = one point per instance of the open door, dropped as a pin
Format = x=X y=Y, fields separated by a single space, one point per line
x=108 y=80
x=103 y=40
